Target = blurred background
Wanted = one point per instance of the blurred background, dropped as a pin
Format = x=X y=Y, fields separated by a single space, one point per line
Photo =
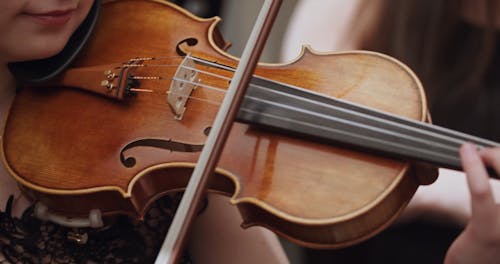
x=238 y=17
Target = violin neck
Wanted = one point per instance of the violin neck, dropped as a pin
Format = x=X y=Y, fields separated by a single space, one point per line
x=306 y=113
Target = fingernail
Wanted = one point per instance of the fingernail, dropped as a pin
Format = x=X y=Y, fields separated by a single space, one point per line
x=469 y=147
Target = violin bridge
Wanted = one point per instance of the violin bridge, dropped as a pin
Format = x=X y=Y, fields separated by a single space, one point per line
x=183 y=84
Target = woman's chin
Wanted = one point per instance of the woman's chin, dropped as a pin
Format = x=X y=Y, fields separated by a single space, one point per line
x=49 y=50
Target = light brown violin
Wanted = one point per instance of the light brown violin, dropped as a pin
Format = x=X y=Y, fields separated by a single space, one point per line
x=125 y=125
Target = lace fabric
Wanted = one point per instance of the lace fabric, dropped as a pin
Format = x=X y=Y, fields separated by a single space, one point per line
x=29 y=240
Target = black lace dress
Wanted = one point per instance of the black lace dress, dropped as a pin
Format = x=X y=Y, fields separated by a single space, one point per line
x=29 y=240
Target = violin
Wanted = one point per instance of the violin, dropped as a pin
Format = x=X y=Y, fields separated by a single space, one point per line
x=323 y=151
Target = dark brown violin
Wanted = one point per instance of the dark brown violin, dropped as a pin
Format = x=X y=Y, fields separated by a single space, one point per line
x=125 y=125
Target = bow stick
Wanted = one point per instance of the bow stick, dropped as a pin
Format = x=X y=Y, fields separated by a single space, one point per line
x=173 y=245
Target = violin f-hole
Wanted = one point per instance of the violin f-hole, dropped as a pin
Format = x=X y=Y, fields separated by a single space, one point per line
x=189 y=41
x=167 y=144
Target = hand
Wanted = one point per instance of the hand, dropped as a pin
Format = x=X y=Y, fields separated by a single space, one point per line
x=480 y=241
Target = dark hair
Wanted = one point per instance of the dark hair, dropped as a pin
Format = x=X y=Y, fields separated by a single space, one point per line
x=450 y=56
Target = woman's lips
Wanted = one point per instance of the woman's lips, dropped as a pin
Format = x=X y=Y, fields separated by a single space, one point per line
x=53 y=18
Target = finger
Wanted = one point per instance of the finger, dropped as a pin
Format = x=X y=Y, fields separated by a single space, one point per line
x=492 y=158
x=482 y=202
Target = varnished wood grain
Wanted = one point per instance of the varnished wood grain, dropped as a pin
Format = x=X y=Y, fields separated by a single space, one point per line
x=63 y=145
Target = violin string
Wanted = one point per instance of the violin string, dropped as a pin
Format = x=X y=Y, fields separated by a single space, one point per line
x=202 y=61
x=199 y=84
x=154 y=65
x=452 y=141
x=182 y=57
x=348 y=111
x=156 y=58
x=284 y=94
x=251 y=85
x=361 y=130
x=207 y=73
x=147 y=77
x=347 y=121
x=416 y=123
x=179 y=66
x=213 y=64
x=408 y=138
x=419 y=127
x=358 y=136
x=150 y=65
x=197 y=98
x=146 y=90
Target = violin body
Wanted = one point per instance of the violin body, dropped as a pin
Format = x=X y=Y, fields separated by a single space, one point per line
x=69 y=147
